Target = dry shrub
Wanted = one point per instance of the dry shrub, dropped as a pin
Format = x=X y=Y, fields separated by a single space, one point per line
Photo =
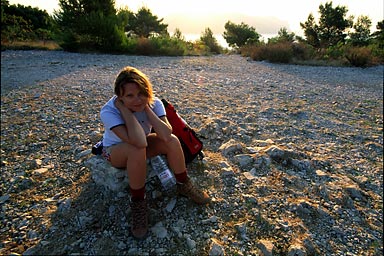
x=144 y=46
x=302 y=51
x=279 y=53
x=244 y=50
x=276 y=53
x=30 y=45
x=258 y=53
x=359 y=56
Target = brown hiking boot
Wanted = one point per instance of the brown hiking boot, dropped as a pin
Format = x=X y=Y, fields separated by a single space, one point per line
x=139 y=218
x=187 y=189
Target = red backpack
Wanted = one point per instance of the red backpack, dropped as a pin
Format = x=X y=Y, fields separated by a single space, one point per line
x=191 y=144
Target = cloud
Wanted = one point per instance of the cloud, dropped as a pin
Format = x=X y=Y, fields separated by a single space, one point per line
x=196 y=24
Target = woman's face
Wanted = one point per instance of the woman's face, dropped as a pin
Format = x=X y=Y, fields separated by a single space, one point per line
x=132 y=98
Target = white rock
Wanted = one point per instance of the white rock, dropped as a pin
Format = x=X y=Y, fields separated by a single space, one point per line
x=103 y=173
x=191 y=243
x=171 y=205
x=230 y=147
x=159 y=230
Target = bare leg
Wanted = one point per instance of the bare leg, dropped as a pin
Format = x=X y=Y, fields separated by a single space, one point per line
x=134 y=159
x=171 y=148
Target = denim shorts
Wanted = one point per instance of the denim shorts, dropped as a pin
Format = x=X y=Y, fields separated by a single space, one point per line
x=106 y=153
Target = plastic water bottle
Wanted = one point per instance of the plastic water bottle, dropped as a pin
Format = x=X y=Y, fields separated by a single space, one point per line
x=163 y=172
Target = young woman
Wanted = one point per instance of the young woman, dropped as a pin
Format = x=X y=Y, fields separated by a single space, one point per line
x=128 y=119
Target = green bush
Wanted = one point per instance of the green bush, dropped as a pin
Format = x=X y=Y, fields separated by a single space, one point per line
x=377 y=53
x=130 y=45
x=198 y=48
x=155 y=46
x=210 y=41
x=335 y=52
x=168 y=46
x=69 y=41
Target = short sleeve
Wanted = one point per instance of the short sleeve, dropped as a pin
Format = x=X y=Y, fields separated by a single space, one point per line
x=110 y=116
x=158 y=108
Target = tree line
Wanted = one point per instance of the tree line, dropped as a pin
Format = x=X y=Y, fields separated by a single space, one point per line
x=96 y=25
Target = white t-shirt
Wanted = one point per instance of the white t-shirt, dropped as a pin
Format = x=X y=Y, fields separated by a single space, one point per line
x=111 y=117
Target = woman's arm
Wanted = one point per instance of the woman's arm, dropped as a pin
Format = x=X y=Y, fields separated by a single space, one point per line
x=131 y=132
x=161 y=125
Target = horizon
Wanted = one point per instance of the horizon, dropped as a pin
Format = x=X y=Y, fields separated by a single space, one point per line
x=192 y=18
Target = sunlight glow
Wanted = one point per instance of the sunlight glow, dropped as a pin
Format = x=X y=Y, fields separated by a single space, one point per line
x=194 y=16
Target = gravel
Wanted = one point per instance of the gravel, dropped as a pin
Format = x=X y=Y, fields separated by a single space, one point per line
x=294 y=158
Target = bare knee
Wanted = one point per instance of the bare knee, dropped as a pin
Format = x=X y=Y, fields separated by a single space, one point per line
x=123 y=152
x=173 y=144
x=172 y=140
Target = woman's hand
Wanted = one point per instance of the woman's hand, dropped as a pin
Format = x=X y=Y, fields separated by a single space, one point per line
x=119 y=104
x=131 y=132
x=161 y=125
x=147 y=108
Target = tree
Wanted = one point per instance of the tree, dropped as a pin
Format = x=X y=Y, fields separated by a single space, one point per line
x=331 y=28
x=283 y=36
x=73 y=11
x=361 y=34
x=4 y=4
x=124 y=17
x=209 y=40
x=35 y=17
x=15 y=28
x=311 y=31
x=178 y=35
x=89 y=24
x=332 y=24
x=378 y=36
x=145 y=24
x=239 y=35
x=106 y=7
x=19 y=22
x=66 y=18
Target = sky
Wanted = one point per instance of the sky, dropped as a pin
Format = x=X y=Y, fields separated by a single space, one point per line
x=266 y=16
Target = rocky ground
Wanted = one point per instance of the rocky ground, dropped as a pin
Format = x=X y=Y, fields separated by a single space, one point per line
x=294 y=158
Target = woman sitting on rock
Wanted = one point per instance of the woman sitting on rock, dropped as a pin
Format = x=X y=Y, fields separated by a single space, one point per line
x=128 y=119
